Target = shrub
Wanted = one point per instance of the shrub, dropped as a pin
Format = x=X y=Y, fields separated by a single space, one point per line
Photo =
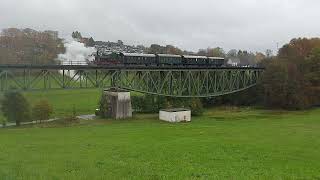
x=148 y=103
x=15 y=107
x=71 y=119
x=196 y=106
x=153 y=103
x=103 y=106
x=42 y=110
x=137 y=103
x=3 y=122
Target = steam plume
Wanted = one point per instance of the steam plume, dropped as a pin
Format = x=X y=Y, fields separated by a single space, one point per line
x=76 y=53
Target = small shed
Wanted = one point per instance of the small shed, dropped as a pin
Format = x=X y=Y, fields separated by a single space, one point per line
x=175 y=115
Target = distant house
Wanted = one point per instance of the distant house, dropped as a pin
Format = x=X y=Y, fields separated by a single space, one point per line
x=233 y=61
x=84 y=40
x=107 y=47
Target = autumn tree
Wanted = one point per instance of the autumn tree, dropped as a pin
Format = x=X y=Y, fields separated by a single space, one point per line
x=259 y=57
x=173 y=50
x=28 y=46
x=215 y=52
x=283 y=85
x=156 y=49
x=168 y=49
x=298 y=49
x=311 y=69
x=42 y=110
x=212 y=52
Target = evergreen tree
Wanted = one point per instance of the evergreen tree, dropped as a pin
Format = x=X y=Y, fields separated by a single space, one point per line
x=15 y=107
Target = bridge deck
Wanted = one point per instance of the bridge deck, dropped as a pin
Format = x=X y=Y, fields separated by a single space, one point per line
x=118 y=67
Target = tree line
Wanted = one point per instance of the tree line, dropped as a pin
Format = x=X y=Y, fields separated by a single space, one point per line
x=235 y=57
x=291 y=79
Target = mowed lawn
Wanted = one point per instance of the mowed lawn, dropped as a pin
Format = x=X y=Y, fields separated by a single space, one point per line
x=222 y=144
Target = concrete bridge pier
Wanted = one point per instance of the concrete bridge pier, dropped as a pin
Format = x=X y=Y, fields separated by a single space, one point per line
x=119 y=103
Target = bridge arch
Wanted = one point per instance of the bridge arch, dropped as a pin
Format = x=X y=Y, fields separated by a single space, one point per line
x=188 y=83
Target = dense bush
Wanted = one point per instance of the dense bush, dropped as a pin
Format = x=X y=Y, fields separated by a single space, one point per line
x=249 y=97
x=148 y=103
x=42 y=110
x=15 y=107
x=103 y=106
x=196 y=106
x=153 y=103
x=3 y=121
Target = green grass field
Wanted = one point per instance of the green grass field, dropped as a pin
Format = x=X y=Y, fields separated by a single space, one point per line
x=85 y=101
x=221 y=144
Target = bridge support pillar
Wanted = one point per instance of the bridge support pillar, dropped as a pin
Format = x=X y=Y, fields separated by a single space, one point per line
x=119 y=104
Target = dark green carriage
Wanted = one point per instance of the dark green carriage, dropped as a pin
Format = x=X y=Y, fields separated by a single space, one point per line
x=215 y=61
x=136 y=59
x=195 y=60
x=169 y=59
x=139 y=59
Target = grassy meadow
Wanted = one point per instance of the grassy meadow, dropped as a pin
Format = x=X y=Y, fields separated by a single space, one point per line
x=224 y=143
x=85 y=101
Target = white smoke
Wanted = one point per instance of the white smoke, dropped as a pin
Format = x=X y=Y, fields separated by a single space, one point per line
x=76 y=54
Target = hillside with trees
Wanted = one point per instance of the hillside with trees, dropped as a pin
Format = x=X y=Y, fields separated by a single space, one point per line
x=292 y=79
x=28 y=46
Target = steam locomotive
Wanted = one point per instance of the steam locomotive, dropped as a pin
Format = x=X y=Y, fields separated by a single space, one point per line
x=135 y=59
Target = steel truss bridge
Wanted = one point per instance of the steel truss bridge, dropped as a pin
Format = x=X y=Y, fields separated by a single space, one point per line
x=177 y=82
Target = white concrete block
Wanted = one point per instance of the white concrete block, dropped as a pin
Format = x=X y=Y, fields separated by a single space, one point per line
x=175 y=115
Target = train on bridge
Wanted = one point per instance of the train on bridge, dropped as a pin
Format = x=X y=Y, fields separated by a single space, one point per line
x=156 y=60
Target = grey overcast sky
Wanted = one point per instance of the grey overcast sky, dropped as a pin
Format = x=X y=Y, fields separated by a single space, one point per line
x=255 y=25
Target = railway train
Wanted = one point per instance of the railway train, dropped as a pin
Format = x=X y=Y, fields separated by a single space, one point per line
x=135 y=59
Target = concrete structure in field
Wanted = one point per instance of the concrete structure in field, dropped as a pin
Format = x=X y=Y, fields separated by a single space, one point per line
x=119 y=104
x=175 y=115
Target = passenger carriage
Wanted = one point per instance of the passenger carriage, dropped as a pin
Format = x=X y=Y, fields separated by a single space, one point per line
x=135 y=59
x=139 y=59
x=169 y=59
x=195 y=60
x=216 y=61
